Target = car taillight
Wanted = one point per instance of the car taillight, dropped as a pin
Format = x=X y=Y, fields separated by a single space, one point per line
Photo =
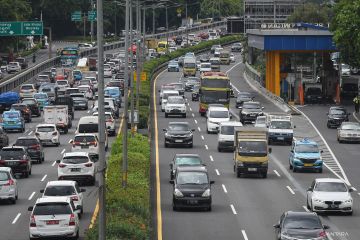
x=76 y=143
x=61 y=165
x=72 y=220
x=54 y=134
x=93 y=144
x=10 y=183
x=32 y=221
x=322 y=234
x=88 y=165
x=36 y=147
x=2 y=162
x=23 y=161
x=74 y=198
x=110 y=120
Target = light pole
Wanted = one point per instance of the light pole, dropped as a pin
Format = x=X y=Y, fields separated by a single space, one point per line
x=92 y=22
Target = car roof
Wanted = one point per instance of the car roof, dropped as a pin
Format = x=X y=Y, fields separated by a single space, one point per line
x=53 y=200
x=306 y=141
x=218 y=109
x=80 y=154
x=5 y=169
x=187 y=168
x=337 y=180
x=27 y=137
x=300 y=214
x=12 y=110
x=231 y=123
x=61 y=183
x=350 y=123
x=337 y=107
x=12 y=147
x=187 y=155
x=85 y=134
x=170 y=123
x=46 y=125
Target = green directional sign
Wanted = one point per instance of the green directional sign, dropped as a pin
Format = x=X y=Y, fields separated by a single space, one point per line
x=76 y=16
x=21 y=28
x=92 y=16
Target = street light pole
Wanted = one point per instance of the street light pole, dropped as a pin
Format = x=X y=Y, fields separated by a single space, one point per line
x=138 y=57
x=153 y=20
x=132 y=70
x=92 y=22
x=186 y=28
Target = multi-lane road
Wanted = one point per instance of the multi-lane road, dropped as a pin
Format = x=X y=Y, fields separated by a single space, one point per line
x=247 y=208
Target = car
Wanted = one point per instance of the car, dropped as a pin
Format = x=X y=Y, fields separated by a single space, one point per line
x=226 y=135
x=260 y=122
x=179 y=87
x=107 y=71
x=85 y=142
x=86 y=89
x=77 y=75
x=236 y=47
x=93 y=82
x=213 y=47
x=48 y=134
x=190 y=82
x=205 y=67
x=12 y=120
x=77 y=166
x=250 y=111
x=13 y=67
x=175 y=106
x=42 y=99
x=90 y=124
x=62 y=84
x=33 y=105
x=4 y=138
x=190 y=55
x=42 y=79
x=178 y=134
x=86 y=81
x=50 y=90
x=9 y=189
x=1 y=74
x=336 y=116
x=216 y=115
x=16 y=158
x=345 y=70
x=54 y=217
x=69 y=91
x=184 y=159
x=232 y=57
x=165 y=95
x=33 y=147
x=300 y=225
x=65 y=189
x=192 y=188
x=243 y=97
x=110 y=123
x=348 y=132
x=305 y=155
x=173 y=66
x=163 y=88
x=204 y=58
x=23 y=62
x=80 y=101
x=27 y=90
x=195 y=93
x=115 y=93
x=24 y=109
x=329 y=195
x=314 y=95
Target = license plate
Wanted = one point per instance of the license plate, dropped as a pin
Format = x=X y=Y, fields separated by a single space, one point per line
x=179 y=141
x=308 y=164
x=11 y=163
x=192 y=202
x=52 y=222
x=334 y=206
x=75 y=169
x=252 y=169
x=84 y=146
x=280 y=138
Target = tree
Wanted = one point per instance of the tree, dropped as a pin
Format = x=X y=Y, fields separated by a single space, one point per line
x=346 y=29
x=312 y=13
x=14 y=10
x=223 y=8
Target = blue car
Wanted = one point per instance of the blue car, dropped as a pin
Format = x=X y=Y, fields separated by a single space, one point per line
x=173 y=66
x=42 y=99
x=77 y=75
x=305 y=155
x=12 y=120
x=115 y=93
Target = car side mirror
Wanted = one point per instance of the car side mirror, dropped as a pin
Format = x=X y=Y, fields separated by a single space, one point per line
x=309 y=189
x=212 y=182
x=30 y=208
x=82 y=190
x=42 y=191
x=270 y=150
x=164 y=129
x=231 y=116
x=193 y=130
x=326 y=227
x=71 y=141
x=276 y=226
x=321 y=151
x=240 y=107
x=294 y=126
x=171 y=181
x=262 y=108
x=57 y=161
x=292 y=151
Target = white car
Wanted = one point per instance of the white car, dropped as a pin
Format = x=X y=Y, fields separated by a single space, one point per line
x=175 y=106
x=13 y=67
x=166 y=95
x=86 y=89
x=205 y=67
x=107 y=71
x=77 y=166
x=8 y=185
x=110 y=123
x=48 y=134
x=329 y=195
x=65 y=189
x=54 y=217
x=27 y=90
x=226 y=135
x=345 y=70
x=260 y=122
x=214 y=116
x=164 y=88
x=85 y=142
x=232 y=57
x=62 y=85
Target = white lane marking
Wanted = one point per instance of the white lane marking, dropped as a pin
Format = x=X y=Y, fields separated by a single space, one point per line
x=31 y=196
x=206 y=146
x=69 y=141
x=188 y=104
x=357 y=119
x=199 y=129
x=190 y=108
x=217 y=172
x=276 y=172
x=193 y=115
x=233 y=67
x=195 y=121
x=354 y=189
x=306 y=209
x=359 y=193
x=62 y=152
x=44 y=177
x=202 y=137
x=31 y=132
x=53 y=163
x=244 y=235
x=224 y=188
x=290 y=190
x=16 y=218
x=211 y=158
x=88 y=111
x=233 y=209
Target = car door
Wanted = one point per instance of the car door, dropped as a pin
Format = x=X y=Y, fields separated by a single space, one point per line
x=79 y=193
x=291 y=157
x=310 y=192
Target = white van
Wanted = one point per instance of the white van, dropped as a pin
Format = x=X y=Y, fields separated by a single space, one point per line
x=226 y=135
x=216 y=115
x=90 y=124
x=166 y=94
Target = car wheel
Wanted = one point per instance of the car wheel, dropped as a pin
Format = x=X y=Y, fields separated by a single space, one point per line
x=184 y=115
x=39 y=161
x=191 y=145
x=13 y=201
x=264 y=175
x=166 y=115
x=208 y=209
x=219 y=149
x=320 y=170
x=327 y=125
x=308 y=205
x=58 y=144
x=93 y=181
x=26 y=174
x=77 y=236
x=294 y=169
x=238 y=173
x=175 y=208
x=43 y=158
x=290 y=166
x=349 y=213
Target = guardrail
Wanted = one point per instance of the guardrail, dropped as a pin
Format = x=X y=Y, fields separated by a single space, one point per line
x=22 y=77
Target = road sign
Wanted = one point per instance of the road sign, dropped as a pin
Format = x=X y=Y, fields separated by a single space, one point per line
x=142 y=76
x=91 y=16
x=136 y=116
x=21 y=28
x=76 y=16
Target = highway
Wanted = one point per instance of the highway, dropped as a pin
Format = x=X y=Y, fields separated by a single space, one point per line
x=245 y=208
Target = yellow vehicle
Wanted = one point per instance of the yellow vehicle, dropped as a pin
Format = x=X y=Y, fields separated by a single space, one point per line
x=225 y=57
x=162 y=47
x=189 y=67
x=251 y=155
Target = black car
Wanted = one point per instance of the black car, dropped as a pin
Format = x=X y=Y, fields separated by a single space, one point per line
x=300 y=225
x=243 y=97
x=181 y=160
x=336 y=116
x=23 y=62
x=192 y=188
x=178 y=134
x=179 y=87
x=17 y=159
x=250 y=111
x=4 y=138
x=24 y=109
x=195 y=93
x=313 y=95
x=33 y=147
x=178 y=40
x=80 y=101
x=33 y=105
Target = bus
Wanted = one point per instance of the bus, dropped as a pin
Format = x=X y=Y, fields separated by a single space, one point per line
x=214 y=88
x=162 y=47
x=69 y=56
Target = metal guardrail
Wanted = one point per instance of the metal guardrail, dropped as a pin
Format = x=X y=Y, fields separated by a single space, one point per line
x=22 y=77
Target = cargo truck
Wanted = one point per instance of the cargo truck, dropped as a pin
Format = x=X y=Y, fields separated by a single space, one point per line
x=280 y=128
x=251 y=155
x=58 y=115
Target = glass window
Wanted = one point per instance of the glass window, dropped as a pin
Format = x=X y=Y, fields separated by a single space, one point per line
x=227 y=130
x=214 y=97
x=306 y=148
x=45 y=129
x=75 y=159
x=26 y=87
x=302 y=222
x=280 y=125
x=59 y=191
x=251 y=106
x=7 y=154
x=29 y=101
x=351 y=127
x=337 y=111
x=84 y=139
x=26 y=142
x=252 y=148
x=219 y=114
x=4 y=176
x=187 y=160
x=52 y=209
x=179 y=127
x=176 y=100
x=88 y=128
x=192 y=178
x=330 y=187
x=11 y=115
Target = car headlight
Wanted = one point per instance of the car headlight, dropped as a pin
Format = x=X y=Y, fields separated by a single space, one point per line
x=284 y=236
x=177 y=193
x=206 y=193
x=348 y=201
x=167 y=135
x=318 y=200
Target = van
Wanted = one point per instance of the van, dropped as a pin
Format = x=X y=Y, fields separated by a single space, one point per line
x=225 y=57
x=189 y=68
x=90 y=124
x=226 y=135
x=216 y=115
x=215 y=64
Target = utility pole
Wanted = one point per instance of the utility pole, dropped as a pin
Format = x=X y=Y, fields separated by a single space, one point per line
x=84 y=25
x=167 y=28
x=186 y=28
x=132 y=70
x=153 y=20
x=126 y=93
x=138 y=53
x=144 y=35
x=102 y=130
x=92 y=22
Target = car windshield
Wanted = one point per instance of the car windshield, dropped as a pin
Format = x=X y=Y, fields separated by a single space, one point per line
x=260 y=121
x=215 y=83
x=187 y=160
x=112 y=91
x=84 y=82
x=330 y=187
x=192 y=178
x=219 y=114
x=46 y=90
x=40 y=96
x=59 y=191
x=88 y=128
x=4 y=176
x=214 y=96
x=307 y=148
x=84 y=139
x=26 y=87
x=206 y=65
x=75 y=159
x=176 y=100
x=11 y=115
x=26 y=142
x=252 y=148
x=227 y=130
x=337 y=111
x=179 y=127
x=315 y=91
x=167 y=95
x=45 y=129
x=62 y=82
x=29 y=101
x=251 y=106
x=52 y=209
x=244 y=95
x=302 y=222
x=189 y=65
x=351 y=127
x=7 y=154
x=280 y=125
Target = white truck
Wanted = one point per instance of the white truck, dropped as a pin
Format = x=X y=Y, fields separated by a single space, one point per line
x=280 y=128
x=58 y=115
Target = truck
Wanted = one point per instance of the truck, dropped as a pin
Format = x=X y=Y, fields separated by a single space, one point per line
x=7 y=99
x=58 y=115
x=251 y=155
x=224 y=57
x=189 y=67
x=349 y=87
x=92 y=62
x=66 y=100
x=280 y=128
x=313 y=93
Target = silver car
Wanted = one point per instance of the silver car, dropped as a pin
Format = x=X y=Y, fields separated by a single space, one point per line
x=8 y=185
x=349 y=132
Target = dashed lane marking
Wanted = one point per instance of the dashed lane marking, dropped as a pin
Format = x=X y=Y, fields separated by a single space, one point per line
x=199 y=129
x=202 y=137
x=224 y=188
x=211 y=158
x=190 y=109
x=53 y=163
x=62 y=152
x=357 y=119
x=217 y=172
x=277 y=173
x=290 y=190
x=193 y=115
x=195 y=121
x=44 y=178
x=244 y=235
x=31 y=196
x=206 y=146
x=306 y=209
x=233 y=209
x=69 y=141
x=31 y=132
x=16 y=218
